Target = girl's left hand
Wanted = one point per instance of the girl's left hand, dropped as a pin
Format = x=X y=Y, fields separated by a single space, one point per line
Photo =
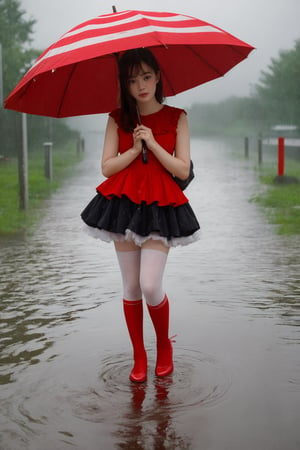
x=142 y=132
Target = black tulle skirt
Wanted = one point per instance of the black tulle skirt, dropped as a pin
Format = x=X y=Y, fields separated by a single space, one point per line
x=120 y=219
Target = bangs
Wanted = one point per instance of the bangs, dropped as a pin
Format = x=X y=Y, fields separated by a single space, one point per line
x=135 y=69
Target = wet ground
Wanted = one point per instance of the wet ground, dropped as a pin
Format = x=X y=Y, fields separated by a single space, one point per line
x=234 y=295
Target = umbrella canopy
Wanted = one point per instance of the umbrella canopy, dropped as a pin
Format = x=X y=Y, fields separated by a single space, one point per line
x=78 y=74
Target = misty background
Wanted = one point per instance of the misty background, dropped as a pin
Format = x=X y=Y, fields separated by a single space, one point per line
x=268 y=25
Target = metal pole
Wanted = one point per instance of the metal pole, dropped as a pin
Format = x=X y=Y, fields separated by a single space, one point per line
x=280 y=156
x=23 y=165
x=78 y=146
x=48 y=160
x=259 y=150
x=1 y=78
x=246 y=145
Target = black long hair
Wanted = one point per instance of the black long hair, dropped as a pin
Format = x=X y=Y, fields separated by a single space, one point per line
x=128 y=62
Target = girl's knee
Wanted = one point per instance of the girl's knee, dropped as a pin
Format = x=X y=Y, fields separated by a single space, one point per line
x=132 y=291
x=148 y=289
x=153 y=293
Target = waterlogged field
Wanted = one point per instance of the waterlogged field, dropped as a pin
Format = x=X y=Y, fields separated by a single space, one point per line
x=65 y=354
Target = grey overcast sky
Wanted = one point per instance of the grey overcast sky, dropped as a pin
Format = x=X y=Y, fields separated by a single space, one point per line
x=268 y=25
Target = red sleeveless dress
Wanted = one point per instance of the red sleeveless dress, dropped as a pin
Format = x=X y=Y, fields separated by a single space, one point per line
x=143 y=201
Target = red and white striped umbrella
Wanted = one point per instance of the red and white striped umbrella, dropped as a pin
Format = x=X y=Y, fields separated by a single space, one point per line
x=78 y=74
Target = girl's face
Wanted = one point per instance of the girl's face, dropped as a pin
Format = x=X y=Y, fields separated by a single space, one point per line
x=142 y=83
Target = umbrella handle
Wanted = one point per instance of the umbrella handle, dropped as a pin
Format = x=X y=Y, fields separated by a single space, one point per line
x=144 y=147
x=144 y=152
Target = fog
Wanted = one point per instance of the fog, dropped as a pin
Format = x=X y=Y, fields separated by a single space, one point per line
x=268 y=25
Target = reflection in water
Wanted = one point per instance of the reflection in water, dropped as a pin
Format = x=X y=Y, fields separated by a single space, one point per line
x=287 y=295
x=36 y=297
x=64 y=351
x=144 y=429
x=146 y=415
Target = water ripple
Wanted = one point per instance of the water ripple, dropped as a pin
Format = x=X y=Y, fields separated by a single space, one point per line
x=198 y=381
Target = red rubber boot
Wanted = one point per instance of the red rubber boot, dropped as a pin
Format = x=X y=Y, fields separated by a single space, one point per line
x=133 y=311
x=160 y=317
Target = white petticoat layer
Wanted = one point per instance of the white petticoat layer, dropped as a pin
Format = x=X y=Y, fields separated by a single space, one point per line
x=108 y=236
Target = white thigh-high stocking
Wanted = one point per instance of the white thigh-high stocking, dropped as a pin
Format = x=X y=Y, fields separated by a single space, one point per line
x=129 y=263
x=152 y=268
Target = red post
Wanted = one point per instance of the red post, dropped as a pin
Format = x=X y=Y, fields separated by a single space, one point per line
x=280 y=156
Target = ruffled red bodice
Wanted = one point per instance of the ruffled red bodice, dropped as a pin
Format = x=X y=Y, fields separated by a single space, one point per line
x=147 y=182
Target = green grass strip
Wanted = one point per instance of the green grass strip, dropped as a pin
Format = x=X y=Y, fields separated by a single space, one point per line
x=12 y=219
x=281 y=201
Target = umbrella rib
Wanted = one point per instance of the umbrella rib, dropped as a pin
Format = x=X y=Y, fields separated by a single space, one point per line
x=65 y=90
x=165 y=76
x=205 y=61
x=233 y=48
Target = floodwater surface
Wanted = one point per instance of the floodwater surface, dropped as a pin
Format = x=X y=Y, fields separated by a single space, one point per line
x=234 y=299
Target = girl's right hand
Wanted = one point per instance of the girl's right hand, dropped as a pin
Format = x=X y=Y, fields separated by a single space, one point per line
x=137 y=142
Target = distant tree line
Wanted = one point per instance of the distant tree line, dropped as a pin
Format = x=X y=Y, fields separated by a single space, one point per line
x=17 y=57
x=275 y=100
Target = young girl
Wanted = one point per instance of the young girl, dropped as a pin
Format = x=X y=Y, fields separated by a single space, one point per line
x=140 y=207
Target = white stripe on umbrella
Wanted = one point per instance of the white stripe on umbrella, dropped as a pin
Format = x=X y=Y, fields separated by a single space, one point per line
x=101 y=25
x=121 y=34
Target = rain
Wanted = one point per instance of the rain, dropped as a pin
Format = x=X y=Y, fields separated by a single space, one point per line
x=234 y=295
